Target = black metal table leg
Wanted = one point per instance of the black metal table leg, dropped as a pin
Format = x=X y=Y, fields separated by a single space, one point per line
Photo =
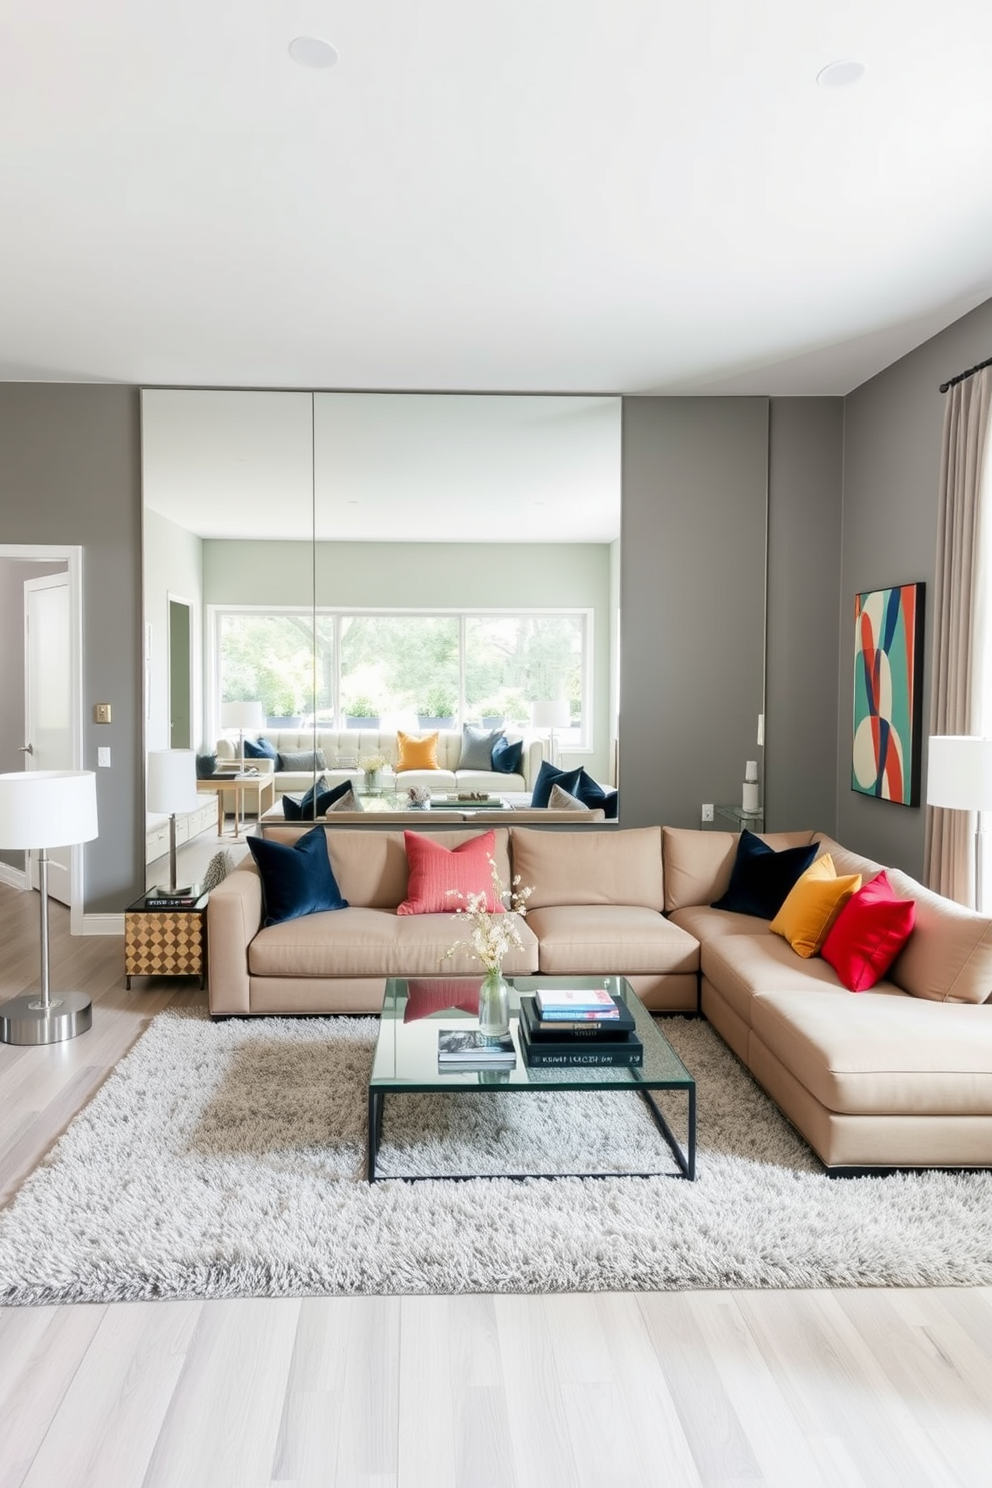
x=375 y=1131
x=686 y=1160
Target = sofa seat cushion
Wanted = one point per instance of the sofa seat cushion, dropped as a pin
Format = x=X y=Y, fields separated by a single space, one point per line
x=743 y=968
x=707 y=924
x=489 y=781
x=292 y=782
x=615 y=938
x=374 y=942
x=877 y=1054
x=436 y=781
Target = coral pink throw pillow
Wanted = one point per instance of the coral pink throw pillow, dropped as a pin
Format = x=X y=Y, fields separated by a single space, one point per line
x=868 y=934
x=427 y=995
x=435 y=870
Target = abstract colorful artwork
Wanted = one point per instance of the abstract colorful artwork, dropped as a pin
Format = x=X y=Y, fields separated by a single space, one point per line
x=888 y=693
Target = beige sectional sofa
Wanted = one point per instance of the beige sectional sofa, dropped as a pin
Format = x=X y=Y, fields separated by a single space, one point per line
x=900 y=1076
x=343 y=748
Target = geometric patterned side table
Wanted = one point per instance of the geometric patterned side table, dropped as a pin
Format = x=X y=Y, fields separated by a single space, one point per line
x=171 y=941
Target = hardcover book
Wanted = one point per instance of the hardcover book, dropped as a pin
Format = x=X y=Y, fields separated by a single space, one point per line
x=469 y=1047
x=174 y=901
x=568 y=1000
x=578 y=1028
x=628 y=1051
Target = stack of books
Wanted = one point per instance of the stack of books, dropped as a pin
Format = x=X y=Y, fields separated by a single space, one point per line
x=162 y=899
x=468 y=1049
x=562 y=1026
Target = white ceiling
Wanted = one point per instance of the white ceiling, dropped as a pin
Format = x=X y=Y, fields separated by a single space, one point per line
x=541 y=195
x=385 y=467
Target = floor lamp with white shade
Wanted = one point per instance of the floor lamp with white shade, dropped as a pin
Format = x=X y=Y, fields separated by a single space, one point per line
x=246 y=718
x=959 y=778
x=172 y=791
x=550 y=714
x=40 y=809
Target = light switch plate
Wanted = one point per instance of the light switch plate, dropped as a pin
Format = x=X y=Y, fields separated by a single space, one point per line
x=103 y=758
x=101 y=712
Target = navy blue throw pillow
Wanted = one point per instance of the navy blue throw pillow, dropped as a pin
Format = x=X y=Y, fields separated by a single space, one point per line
x=761 y=877
x=548 y=776
x=592 y=794
x=296 y=880
x=507 y=757
x=262 y=750
x=316 y=802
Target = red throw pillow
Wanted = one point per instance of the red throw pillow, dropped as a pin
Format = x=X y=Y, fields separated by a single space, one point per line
x=427 y=995
x=436 y=870
x=868 y=934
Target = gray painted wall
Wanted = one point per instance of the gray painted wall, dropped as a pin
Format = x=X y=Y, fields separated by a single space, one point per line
x=892 y=441
x=692 y=616
x=70 y=473
x=804 y=517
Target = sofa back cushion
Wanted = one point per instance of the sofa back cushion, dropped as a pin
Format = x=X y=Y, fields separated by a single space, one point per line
x=698 y=865
x=948 y=957
x=609 y=867
x=371 y=867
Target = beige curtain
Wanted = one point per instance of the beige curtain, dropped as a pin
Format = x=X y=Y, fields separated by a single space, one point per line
x=956 y=704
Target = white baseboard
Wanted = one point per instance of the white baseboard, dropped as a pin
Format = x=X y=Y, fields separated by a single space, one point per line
x=103 y=924
x=15 y=877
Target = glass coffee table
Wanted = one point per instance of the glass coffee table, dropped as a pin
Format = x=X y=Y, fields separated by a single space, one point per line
x=406 y=1059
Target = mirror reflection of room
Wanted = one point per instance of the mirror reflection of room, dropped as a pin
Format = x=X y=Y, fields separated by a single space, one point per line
x=357 y=566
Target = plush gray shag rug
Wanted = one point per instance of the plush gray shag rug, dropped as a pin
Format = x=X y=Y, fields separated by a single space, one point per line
x=227 y=1159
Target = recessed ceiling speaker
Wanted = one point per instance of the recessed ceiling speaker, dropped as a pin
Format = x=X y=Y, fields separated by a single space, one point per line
x=312 y=51
x=841 y=74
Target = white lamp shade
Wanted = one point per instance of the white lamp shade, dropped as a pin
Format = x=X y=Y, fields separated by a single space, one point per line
x=552 y=714
x=242 y=716
x=47 y=808
x=172 y=781
x=959 y=772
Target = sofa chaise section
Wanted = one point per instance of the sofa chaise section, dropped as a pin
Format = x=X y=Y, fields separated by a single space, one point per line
x=897 y=1076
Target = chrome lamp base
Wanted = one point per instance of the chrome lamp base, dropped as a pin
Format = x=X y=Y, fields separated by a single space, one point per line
x=29 y=1020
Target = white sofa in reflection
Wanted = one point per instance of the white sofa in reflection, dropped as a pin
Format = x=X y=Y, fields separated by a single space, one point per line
x=343 y=748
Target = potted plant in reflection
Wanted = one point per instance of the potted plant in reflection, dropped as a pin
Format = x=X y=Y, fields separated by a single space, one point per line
x=361 y=713
x=438 y=708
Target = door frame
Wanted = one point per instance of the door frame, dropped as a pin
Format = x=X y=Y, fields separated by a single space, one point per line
x=171 y=598
x=72 y=556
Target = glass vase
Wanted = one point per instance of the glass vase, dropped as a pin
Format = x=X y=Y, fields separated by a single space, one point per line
x=494 y=1006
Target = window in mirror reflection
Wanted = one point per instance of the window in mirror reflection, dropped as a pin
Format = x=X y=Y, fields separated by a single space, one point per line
x=409 y=670
x=512 y=661
x=269 y=656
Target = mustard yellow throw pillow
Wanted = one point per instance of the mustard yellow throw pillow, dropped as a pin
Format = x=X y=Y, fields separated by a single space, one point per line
x=813 y=904
x=417 y=752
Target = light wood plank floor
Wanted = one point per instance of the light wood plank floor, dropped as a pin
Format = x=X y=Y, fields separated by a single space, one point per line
x=859 y=1389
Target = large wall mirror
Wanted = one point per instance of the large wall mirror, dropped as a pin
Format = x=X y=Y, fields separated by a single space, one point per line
x=399 y=556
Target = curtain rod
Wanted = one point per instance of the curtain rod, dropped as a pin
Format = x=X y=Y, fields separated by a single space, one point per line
x=962 y=375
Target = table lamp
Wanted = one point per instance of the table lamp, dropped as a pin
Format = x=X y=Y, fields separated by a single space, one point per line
x=551 y=714
x=959 y=778
x=242 y=716
x=40 y=809
x=172 y=789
